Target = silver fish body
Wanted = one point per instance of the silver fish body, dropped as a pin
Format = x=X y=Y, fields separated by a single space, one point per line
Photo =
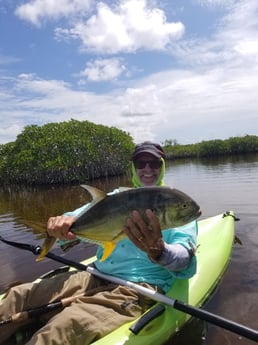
x=103 y=222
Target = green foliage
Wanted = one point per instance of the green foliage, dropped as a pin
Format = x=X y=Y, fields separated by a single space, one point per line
x=5 y=151
x=248 y=143
x=214 y=148
x=170 y=142
x=65 y=152
x=77 y=151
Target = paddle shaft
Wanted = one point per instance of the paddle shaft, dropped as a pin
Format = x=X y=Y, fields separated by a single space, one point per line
x=237 y=328
x=186 y=308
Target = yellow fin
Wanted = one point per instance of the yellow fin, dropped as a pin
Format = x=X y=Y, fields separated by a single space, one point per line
x=49 y=242
x=95 y=193
x=108 y=248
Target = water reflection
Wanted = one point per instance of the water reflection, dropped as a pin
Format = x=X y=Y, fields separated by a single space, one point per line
x=37 y=203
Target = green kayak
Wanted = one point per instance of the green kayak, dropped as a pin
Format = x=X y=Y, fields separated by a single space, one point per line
x=215 y=239
x=156 y=326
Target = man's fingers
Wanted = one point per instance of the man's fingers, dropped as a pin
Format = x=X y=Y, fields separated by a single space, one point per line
x=153 y=220
x=59 y=227
x=134 y=234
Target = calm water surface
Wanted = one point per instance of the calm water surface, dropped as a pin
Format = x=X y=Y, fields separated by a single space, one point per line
x=217 y=185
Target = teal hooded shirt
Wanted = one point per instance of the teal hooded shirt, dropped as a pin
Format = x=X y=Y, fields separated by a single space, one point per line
x=130 y=263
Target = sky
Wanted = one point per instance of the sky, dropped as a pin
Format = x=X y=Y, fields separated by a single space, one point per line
x=184 y=70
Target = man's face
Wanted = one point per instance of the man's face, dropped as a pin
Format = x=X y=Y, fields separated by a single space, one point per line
x=148 y=169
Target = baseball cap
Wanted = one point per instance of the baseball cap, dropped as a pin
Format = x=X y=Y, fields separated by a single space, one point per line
x=148 y=147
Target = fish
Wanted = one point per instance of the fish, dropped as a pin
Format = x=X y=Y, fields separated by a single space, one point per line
x=103 y=222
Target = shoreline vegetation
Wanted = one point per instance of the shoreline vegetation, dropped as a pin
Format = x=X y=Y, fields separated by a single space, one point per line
x=212 y=148
x=78 y=151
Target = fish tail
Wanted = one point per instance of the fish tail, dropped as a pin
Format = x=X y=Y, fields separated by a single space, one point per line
x=108 y=248
x=47 y=245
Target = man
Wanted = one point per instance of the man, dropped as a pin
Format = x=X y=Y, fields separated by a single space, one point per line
x=151 y=258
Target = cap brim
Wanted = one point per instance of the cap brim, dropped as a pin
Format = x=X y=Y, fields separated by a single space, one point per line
x=153 y=153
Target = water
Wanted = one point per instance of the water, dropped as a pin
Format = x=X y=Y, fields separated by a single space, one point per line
x=217 y=185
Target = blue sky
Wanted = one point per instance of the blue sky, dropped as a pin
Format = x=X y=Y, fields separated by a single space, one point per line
x=160 y=70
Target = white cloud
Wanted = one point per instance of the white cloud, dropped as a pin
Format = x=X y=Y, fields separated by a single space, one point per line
x=129 y=26
x=10 y=132
x=124 y=26
x=30 y=83
x=248 y=48
x=38 y=11
x=213 y=95
x=103 y=69
x=233 y=41
x=141 y=101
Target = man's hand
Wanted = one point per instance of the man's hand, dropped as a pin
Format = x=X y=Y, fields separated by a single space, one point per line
x=145 y=235
x=59 y=226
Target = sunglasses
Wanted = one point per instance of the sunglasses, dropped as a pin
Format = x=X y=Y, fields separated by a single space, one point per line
x=154 y=164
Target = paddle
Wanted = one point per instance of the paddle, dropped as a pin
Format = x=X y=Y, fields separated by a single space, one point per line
x=186 y=308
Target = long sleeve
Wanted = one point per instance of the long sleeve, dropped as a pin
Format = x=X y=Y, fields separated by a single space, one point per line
x=174 y=257
x=180 y=246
